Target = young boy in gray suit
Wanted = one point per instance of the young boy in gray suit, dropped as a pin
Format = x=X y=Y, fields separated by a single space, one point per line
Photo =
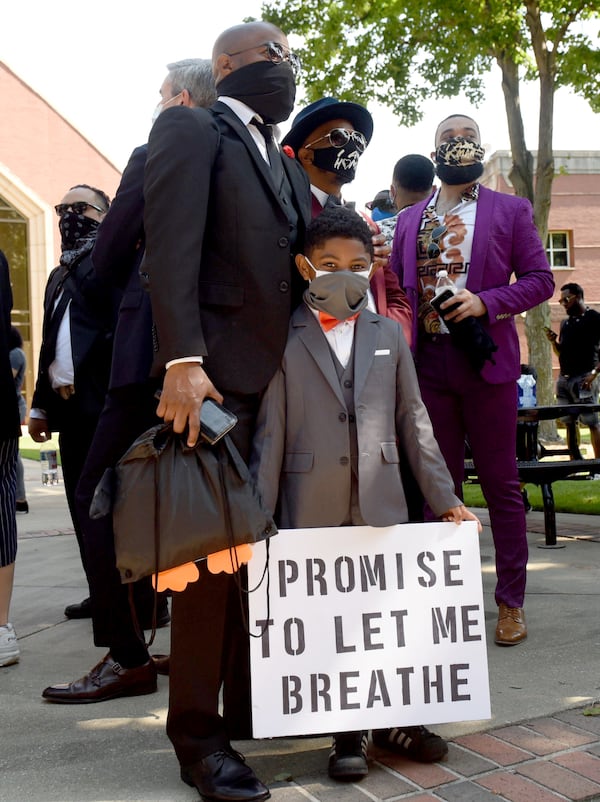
x=336 y=420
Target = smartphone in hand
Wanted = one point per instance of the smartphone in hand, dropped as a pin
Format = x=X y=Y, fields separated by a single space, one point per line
x=215 y=421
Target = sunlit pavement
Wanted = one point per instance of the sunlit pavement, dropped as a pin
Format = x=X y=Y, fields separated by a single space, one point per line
x=537 y=746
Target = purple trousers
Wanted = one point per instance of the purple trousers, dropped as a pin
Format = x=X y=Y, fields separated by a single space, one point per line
x=463 y=406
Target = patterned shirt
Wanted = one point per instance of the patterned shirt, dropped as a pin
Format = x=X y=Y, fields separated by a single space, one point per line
x=454 y=245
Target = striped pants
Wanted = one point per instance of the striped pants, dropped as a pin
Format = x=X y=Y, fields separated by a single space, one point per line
x=9 y=450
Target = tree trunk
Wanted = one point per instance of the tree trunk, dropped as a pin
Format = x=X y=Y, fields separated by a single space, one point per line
x=540 y=349
x=521 y=173
x=521 y=177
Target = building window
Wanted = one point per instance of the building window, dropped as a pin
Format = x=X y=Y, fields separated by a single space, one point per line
x=14 y=243
x=558 y=248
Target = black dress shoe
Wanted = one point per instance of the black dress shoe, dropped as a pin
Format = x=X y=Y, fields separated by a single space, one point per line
x=107 y=680
x=225 y=777
x=81 y=610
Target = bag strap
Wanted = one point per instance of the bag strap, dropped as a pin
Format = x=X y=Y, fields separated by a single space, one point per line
x=223 y=460
x=132 y=608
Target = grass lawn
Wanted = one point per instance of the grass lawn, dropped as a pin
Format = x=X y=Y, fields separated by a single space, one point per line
x=573 y=495
x=569 y=496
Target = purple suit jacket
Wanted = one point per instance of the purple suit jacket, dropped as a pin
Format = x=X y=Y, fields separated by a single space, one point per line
x=506 y=244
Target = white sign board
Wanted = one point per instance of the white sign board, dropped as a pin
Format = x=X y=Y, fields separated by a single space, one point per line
x=367 y=628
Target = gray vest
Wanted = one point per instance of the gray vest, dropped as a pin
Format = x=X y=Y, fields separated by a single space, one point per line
x=346 y=377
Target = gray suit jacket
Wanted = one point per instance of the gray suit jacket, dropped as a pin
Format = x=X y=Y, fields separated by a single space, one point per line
x=301 y=454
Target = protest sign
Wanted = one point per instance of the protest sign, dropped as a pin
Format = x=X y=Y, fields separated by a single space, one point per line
x=367 y=628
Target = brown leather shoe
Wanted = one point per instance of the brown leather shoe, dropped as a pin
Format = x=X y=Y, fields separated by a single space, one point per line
x=107 y=680
x=511 y=627
x=161 y=663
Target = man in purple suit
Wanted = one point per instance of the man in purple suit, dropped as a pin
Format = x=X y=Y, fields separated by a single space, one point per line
x=490 y=247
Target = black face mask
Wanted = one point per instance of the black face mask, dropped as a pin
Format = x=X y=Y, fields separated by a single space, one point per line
x=341 y=161
x=268 y=89
x=74 y=228
x=453 y=176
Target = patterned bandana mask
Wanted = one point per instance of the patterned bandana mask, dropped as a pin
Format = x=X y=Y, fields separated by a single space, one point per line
x=74 y=228
x=459 y=161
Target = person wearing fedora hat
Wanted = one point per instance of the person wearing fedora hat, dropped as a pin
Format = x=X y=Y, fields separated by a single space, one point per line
x=328 y=137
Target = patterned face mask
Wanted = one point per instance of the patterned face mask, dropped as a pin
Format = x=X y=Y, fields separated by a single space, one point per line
x=459 y=152
x=74 y=228
x=459 y=161
x=341 y=161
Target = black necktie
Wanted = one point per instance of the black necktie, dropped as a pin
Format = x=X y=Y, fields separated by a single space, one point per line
x=272 y=151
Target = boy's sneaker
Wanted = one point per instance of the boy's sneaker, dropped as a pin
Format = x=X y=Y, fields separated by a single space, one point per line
x=348 y=756
x=417 y=743
x=9 y=646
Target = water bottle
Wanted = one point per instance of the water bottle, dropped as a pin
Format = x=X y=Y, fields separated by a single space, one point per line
x=527 y=390
x=445 y=288
x=49 y=465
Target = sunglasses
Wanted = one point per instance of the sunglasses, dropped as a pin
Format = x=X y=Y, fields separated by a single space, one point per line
x=566 y=300
x=338 y=137
x=433 y=249
x=276 y=53
x=79 y=207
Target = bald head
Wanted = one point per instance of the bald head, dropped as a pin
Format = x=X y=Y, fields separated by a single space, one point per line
x=253 y=63
x=245 y=37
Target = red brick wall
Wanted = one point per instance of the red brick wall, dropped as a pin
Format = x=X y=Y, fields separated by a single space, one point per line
x=576 y=209
x=43 y=150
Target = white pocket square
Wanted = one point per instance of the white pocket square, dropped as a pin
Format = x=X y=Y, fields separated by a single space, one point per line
x=382 y=352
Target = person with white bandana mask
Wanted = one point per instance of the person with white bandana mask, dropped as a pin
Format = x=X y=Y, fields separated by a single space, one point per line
x=328 y=138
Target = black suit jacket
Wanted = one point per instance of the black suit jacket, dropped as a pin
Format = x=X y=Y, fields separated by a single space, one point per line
x=117 y=255
x=93 y=315
x=219 y=267
x=10 y=426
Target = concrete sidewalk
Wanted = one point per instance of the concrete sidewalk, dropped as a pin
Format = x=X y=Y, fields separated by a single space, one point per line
x=537 y=747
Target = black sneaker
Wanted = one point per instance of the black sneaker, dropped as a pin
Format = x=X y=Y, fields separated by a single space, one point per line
x=416 y=743
x=22 y=506
x=348 y=756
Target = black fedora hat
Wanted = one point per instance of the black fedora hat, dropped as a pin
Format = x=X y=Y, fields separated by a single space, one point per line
x=319 y=112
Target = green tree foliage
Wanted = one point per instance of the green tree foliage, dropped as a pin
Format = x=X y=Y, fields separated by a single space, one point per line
x=401 y=52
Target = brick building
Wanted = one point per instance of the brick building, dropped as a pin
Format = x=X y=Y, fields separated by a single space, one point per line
x=573 y=243
x=41 y=156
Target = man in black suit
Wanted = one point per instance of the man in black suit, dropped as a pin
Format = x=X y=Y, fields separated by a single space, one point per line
x=130 y=408
x=77 y=336
x=224 y=213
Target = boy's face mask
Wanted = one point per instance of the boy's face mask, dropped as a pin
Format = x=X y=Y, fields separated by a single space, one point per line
x=340 y=293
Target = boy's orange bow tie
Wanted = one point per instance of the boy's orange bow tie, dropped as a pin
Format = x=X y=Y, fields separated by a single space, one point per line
x=329 y=322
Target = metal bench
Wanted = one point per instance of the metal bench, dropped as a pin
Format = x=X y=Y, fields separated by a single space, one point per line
x=536 y=467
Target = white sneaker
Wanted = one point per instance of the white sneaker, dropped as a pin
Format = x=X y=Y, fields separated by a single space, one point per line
x=9 y=646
